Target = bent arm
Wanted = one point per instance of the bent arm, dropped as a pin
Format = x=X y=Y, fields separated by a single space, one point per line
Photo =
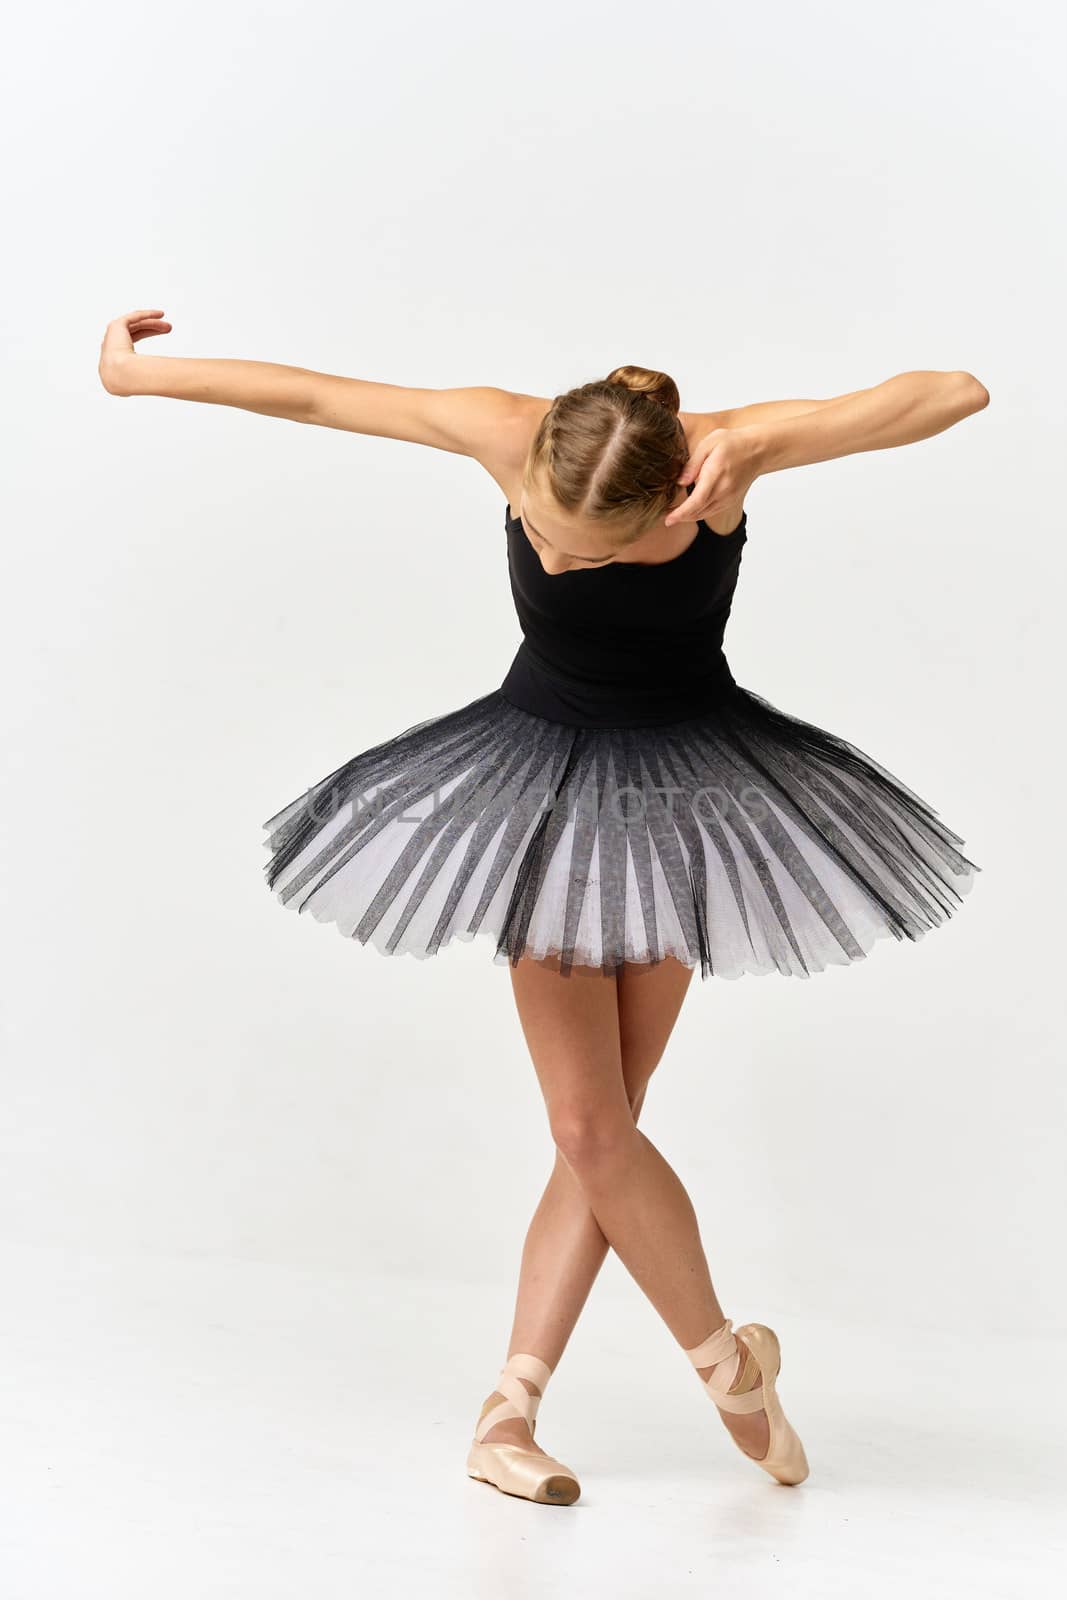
x=902 y=410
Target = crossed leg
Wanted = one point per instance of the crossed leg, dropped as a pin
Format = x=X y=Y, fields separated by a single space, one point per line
x=595 y=1041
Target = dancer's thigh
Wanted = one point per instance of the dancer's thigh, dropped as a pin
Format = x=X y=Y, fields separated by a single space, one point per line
x=571 y=1026
x=649 y=1002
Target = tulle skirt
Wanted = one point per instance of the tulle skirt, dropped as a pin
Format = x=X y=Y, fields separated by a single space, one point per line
x=744 y=840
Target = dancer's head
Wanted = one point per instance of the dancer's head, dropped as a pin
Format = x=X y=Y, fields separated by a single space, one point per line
x=603 y=468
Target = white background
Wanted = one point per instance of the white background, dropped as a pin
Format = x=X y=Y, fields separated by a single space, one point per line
x=208 y=610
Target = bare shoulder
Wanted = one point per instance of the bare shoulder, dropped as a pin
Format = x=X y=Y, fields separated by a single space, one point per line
x=503 y=448
x=726 y=518
x=696 y=424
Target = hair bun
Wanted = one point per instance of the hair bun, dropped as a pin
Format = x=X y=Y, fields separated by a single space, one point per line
x=656 y=385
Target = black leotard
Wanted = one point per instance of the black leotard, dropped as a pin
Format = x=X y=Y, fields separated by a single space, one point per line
x=626 y=644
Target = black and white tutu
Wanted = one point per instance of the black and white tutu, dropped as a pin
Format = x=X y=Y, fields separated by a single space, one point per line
x=743 y=840
x=619 y=798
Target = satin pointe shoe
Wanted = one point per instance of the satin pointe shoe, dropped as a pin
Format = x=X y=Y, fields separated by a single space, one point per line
x=751 y=1385
x=508 y=1466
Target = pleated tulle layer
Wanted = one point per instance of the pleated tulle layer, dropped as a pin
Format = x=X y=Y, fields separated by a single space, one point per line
x=743 y=841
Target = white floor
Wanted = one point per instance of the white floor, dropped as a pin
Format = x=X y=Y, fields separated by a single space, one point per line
x=201 y=1428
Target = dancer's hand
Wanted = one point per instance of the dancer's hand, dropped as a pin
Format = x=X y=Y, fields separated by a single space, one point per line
x=117 y=350
x=724 y=465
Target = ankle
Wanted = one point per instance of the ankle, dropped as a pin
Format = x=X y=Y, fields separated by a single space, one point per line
x=513 y=1404
x=496 y=1397
x=723 y=1364
x=722 y=1374
x=514 y=1429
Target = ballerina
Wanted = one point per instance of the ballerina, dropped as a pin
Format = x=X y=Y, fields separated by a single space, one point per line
x=614 y=814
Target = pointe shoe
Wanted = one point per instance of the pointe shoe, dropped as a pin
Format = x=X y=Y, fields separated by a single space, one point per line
x=508 y=1466
x=754 y=1388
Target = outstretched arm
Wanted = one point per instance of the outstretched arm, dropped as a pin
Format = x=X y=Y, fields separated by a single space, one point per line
x=464 y=421
x=903 y=410
x=743 y=443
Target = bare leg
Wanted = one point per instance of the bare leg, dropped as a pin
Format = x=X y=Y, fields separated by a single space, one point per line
x=565 y=1246
x=595 y=1042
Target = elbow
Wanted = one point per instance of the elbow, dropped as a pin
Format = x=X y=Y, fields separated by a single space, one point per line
x=974 y=396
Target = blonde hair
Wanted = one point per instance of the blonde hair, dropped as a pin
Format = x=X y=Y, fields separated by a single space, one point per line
x=612 y=450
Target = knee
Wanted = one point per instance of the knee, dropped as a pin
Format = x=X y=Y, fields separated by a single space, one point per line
x=592 y=1140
